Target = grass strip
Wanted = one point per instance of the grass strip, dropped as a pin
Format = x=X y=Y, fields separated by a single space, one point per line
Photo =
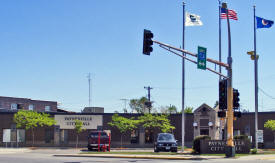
x=136 y=153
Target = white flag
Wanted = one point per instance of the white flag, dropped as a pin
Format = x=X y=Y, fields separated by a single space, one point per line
x=192 y=20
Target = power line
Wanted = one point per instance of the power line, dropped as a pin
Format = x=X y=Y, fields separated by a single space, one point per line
x=266 y=93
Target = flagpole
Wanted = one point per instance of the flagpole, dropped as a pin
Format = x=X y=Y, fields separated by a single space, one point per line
x=220 y=59
x=256 y=81
x=183 y=83
x=220 y=53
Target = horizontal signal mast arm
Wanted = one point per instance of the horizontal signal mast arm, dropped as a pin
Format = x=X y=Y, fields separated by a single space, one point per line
x=192 y=54
x=192 y=61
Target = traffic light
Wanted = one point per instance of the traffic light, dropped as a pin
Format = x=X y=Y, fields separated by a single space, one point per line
x=237 y=114
x=221 y=114
x=236 y=99
x=223 y=94
x=147 y=42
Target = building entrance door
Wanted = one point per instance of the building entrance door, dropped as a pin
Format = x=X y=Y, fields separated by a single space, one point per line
x=204 y=132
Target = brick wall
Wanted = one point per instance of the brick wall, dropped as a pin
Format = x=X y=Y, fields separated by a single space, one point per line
x=6 y=121
x=6 y=102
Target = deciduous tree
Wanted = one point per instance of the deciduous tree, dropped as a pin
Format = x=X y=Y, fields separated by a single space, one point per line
x=138 y=105
x=123 y=124
x=78 y=128
x=270 y=124
x=29 y=120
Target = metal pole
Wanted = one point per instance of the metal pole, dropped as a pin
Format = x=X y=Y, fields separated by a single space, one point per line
x=183 y=83
x=220 y=52
x=220 y=68
x=189 y=53
x=89 y=82
x=256 y=81
x=149 y=96
x=230 y=149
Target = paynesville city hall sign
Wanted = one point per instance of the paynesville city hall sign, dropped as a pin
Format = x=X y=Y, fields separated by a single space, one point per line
x=218 y=146
x=68 y=121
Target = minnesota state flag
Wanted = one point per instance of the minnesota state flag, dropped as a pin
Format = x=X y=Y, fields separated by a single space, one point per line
x=263 y=23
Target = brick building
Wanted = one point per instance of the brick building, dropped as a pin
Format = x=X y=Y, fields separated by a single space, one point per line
x=204 y=120
x=14 y=103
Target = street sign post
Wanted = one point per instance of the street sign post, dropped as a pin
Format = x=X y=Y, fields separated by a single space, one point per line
x=260 y=136
x=201 y=58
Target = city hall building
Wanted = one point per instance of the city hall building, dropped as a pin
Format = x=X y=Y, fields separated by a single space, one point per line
x=203 y=121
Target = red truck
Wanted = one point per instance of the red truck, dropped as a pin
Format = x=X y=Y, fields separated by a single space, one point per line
x=98 y=140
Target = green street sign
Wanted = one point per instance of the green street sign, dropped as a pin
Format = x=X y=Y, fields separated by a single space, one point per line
x=201 y=58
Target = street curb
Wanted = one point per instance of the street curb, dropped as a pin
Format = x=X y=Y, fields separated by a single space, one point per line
x=134 y=156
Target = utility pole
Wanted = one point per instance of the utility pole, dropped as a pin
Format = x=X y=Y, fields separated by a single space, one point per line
x=149 y=96
x=89 y=82
x=125 y=103
x=230 y=148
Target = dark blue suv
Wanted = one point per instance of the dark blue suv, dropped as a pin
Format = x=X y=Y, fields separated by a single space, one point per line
x=166 y=142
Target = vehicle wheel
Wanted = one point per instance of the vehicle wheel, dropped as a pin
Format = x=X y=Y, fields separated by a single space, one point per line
x=90 y=149
x=156 y=149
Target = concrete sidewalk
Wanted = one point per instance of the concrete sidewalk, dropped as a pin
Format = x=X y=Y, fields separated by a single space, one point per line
x=13 y=150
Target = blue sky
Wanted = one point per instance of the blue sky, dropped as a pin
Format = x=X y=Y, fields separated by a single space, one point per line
x=47 y=49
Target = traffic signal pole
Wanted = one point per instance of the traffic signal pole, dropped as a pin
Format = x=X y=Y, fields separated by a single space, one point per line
x=230 y=148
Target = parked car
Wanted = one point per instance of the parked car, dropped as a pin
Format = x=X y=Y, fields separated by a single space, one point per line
x=94 y=141
x=165 y=142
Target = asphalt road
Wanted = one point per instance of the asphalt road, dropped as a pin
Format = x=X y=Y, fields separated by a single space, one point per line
x=46 y=156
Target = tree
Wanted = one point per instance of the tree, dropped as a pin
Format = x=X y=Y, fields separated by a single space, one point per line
x=188 y=110
x=216 y=104
x=172 y=109
x=78 y=128
x=270 y=124
x=125 y=110
x=138 y=105
x=123 y=124
x=156 y=122
x=29 y=120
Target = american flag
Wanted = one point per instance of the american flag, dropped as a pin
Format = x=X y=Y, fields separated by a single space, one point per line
x=231 y=14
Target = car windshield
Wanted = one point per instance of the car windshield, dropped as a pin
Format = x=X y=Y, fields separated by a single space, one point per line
x=166 y=137
x=95 y=134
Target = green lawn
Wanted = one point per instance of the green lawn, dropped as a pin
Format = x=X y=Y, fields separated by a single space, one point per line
x=135 y=153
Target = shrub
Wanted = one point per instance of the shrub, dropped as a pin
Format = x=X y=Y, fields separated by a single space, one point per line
x=196 y=143
x=241 y=137
x=254 y=151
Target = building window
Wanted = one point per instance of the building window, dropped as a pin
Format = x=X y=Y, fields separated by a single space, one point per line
x=134 y=136
x=204 y=122
x=204 y=131
x=13 y=106
x=31 y=107
x=149 y=136
x=47 y=108
x=49 y=135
